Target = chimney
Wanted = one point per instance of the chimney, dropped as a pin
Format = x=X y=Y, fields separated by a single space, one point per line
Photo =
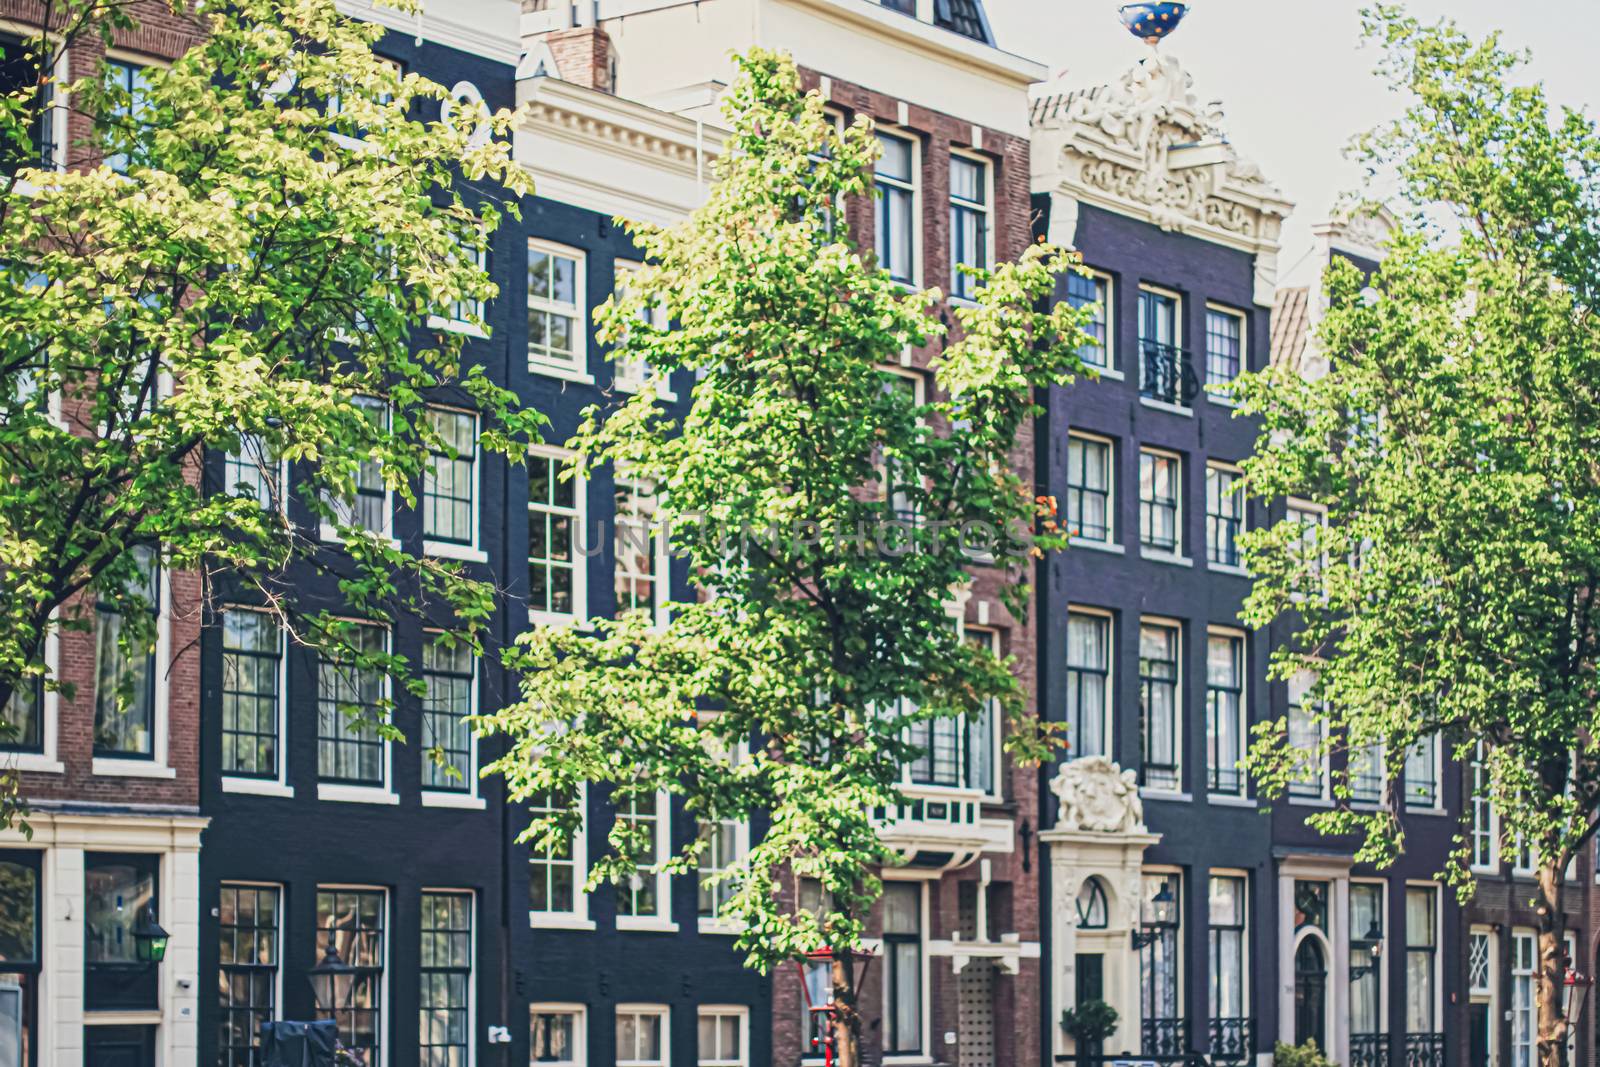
x=583 y=56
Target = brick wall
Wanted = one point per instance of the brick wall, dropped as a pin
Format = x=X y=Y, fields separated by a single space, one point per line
x=583 y=56
x=159 y=36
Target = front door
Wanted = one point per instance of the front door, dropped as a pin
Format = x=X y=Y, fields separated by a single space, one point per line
x=1310 y=994
x=1478 y=1035
x=119 y=1046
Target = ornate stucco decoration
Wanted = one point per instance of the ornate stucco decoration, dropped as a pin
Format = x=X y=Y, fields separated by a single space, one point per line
x=1097 y=795
x=1145 y=146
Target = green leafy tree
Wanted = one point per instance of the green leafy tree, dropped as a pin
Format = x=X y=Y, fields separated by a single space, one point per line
x=787 y=687
x=1451 y=598
x=259 y=280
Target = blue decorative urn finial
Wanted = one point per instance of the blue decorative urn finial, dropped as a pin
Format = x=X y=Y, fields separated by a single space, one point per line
x=1152 y=21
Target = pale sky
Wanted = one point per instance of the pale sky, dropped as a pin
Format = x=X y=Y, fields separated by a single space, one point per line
x=1293 y=80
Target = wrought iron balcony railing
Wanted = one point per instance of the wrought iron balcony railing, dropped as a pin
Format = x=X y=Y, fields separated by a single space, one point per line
x=1167 y=374
x=1165 y=1037
x=1232 y=1040
x=1424 y=1050
x=1369 y=1050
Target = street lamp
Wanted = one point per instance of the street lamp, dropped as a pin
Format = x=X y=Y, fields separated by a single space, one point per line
x=1161 y=915
x=1372 y=941
x=821 y=1015
x=149 y=939
x=326 y=976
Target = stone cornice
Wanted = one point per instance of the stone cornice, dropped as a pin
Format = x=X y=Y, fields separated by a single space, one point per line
x=468 y=30
x=1145 y=147
x=624 y=127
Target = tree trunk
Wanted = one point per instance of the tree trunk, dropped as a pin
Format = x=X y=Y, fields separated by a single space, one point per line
x=1553 y=963
x=846 y=1018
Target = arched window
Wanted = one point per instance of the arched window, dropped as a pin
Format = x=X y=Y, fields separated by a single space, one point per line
x=1093 y=912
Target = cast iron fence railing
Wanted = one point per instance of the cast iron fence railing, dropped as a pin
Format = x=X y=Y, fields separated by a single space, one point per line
x=1424 y=1050
x=1165 y=1037
x=1168 y=375
x=1232 y=1040
x=1369 y=1050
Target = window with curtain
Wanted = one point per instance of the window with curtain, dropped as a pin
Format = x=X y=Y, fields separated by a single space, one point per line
x=125 y=665
x=556 y=1036
x=1094 y=290
x=1224 y=346
x=1224 y=713
x=983 y=730
x=1158 y=961
x=895 y=179
x=22 y=718
x=1160 y=705
x=721 y=1040
x=1229 y=945
x=1306 y=736
x=1366 y=981
x=1090 y=476
x=642 y=1037
x=1088 y=682
x=1160 y=488
x=1422 y=773
x=1421 y=958
x=969 y=223
x=1524 y=965
x=1224 y=515
x=1366 y=771
x=902 y=962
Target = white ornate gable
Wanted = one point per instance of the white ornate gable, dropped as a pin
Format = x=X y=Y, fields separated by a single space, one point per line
x=1145 y=146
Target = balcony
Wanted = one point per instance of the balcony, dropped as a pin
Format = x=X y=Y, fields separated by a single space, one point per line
x=1370 y=1050
x=1232 y=1040
x=940 y=826
x=1165 y=1037
x=1166 y=375
x=1424 y=1050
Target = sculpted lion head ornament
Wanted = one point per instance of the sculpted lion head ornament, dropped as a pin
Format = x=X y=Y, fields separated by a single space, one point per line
x=1096 y=794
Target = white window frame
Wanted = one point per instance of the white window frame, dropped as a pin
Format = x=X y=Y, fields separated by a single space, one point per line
x=472 y=957
x=45 y=760
x=1109 y=619
x=914 y=187
x=578 y=917
x=468 y=798
x=328 y=531
x=278 y=786
x=661 y=921
x=661 y=1011
x=472 y=551
x=925 y=991
x=986 y=209
x=739 y=1011
x=1180 y=712
x=1108 y=310
x=1476 y=767
x=1324 y=766
x=282 y=919
x=453 y=323
x=1180 y=938
x=1176 y=555
x=1233 y=469
x=1526 y=976
x=1438 y=948
x=578 y=369
x=1487 y=990
x=385 y=1005
x=1246 y=939
x=1382 y=970
x=278 y=501
x=1232 y=633
x=721 y=924
x=1111 y=542
x=1319 y=513
x=580 y=560
x=580 y=1030
x=61 y=105
x=626 y=377
x=661 y=580
x=1436 y=802
x=158 y=765
x=993 y=637
x=1215 y=393
x=1177 y=343
x=348 y=792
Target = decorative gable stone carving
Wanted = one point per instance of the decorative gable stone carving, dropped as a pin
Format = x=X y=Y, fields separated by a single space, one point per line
x=1145 y=146
x=1099 y=796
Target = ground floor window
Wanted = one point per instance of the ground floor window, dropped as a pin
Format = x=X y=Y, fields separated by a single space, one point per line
x=19 y=958
x=352 y=921
x=642 y=1036
x=557 y=1037
x=723 y=1038
x=445 y=1031
x=902 y=962
x=247 y=946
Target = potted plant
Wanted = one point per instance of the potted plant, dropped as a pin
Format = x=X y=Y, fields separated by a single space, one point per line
x=1089 y=1024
